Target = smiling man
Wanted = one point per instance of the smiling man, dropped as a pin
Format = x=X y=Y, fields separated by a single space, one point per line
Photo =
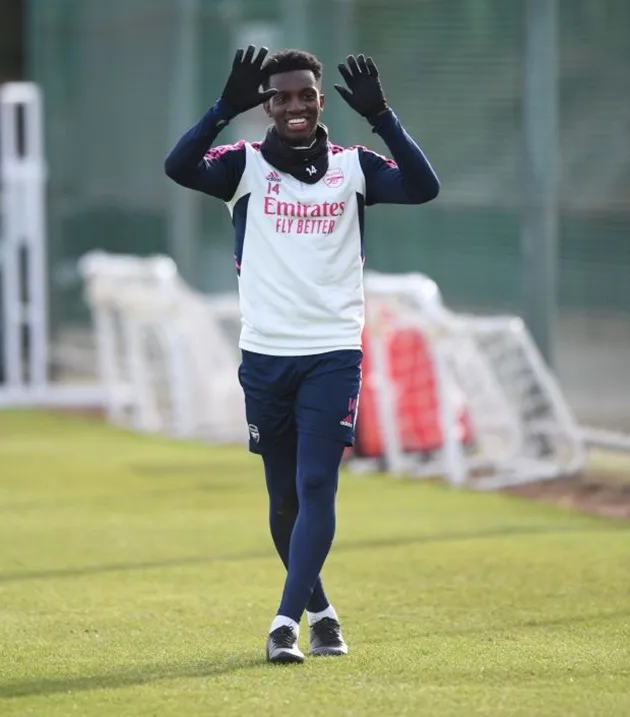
x=297 y=204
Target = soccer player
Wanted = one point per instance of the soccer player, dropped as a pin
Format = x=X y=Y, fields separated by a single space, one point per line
x=297 y=204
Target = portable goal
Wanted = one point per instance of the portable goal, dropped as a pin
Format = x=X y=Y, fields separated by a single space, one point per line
x=167 y=354
x=463 y=397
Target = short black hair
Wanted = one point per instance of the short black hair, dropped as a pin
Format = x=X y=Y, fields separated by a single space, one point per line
x=289 y=61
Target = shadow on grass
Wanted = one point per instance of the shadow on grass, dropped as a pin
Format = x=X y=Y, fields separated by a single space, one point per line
x=340 y=547
x=132 y=676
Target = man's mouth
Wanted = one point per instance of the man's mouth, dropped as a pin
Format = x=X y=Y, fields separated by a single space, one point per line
x=297 y=124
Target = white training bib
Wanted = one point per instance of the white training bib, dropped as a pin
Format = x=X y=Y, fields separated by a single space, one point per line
x=299 y=249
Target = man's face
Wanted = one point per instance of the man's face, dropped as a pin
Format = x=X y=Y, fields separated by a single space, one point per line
x=295 y=109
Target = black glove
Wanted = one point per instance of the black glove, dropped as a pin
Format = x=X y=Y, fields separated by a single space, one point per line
x=242 y=89
x=365 y=94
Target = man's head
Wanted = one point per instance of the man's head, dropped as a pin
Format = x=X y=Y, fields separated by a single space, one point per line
x=296 y=107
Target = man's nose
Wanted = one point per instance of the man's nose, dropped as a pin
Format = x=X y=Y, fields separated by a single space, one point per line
x=296 y=104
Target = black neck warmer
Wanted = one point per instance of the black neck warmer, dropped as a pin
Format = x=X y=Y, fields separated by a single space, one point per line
x=307 y=164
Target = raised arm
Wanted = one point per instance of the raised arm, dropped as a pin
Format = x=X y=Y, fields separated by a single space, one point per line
x=407 y=178
x=194 y=165
x=218 y=171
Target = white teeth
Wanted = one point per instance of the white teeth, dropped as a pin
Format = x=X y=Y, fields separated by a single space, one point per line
x=301 y=120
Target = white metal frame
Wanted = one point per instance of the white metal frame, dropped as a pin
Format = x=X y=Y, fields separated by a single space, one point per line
x=107 y=280
x=23 y=242
x=23 y=176
x=134 y=300
x=449 y=339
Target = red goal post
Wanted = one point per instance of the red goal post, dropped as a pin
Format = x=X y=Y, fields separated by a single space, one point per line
x=463 y=397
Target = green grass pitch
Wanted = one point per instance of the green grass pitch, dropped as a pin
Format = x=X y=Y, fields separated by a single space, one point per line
x=137 y=578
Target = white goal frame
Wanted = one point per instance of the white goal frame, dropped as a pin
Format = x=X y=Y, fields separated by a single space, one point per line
x=165 y=357
x=464 y=376
x=24 y=312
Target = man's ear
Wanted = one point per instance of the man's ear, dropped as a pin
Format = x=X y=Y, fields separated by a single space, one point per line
x=267 y=107
x=322 y=101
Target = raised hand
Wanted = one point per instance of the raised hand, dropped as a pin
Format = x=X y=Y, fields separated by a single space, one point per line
x=242 y=89
x=364 y=92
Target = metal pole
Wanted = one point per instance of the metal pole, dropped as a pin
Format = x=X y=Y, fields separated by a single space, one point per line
x=332 y=42
x=540 y=129
x=184 y=230
x=344 y=44
x=295 y=27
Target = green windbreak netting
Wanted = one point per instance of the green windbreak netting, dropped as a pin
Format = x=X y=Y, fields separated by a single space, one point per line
x=123 y=78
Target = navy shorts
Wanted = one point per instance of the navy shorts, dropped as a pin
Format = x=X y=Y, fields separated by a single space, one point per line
x=288 y=395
